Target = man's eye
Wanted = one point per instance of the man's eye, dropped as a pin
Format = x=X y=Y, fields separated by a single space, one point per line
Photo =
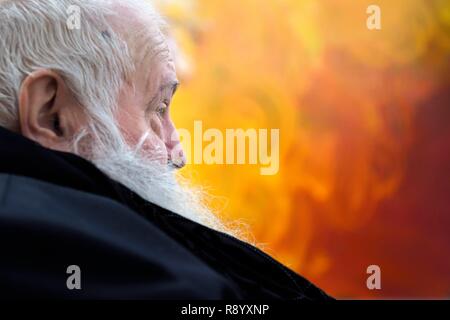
x=162 y=109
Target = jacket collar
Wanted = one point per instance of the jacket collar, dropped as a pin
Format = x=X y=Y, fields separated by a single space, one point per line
x=24 y=157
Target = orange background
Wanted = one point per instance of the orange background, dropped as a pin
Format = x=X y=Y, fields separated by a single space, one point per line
x=364 y=132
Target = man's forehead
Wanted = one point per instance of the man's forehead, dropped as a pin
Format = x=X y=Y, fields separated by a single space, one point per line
x=162 y=77
x=132 y=14
x=147 y=44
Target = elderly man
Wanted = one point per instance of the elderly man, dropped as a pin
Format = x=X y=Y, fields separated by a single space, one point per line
x=89 y=203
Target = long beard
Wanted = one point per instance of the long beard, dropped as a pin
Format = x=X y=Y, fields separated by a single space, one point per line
x=157 y=183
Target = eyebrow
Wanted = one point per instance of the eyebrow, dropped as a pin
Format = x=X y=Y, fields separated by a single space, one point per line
x=171 y=85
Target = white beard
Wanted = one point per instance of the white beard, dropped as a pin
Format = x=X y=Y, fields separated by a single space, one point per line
x=154 y=182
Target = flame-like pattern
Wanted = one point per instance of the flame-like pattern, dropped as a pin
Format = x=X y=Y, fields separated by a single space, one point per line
x=364 y=132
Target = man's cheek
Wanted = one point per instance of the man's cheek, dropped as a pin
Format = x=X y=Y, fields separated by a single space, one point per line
x=154 y=148
x=156 y=125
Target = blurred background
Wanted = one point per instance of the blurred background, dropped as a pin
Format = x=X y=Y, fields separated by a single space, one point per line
x=364 y=119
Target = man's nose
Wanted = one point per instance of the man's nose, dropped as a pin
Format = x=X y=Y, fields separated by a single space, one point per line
x=175 y=151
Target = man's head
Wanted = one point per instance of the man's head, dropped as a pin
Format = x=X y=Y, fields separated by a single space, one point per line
x=102 y=91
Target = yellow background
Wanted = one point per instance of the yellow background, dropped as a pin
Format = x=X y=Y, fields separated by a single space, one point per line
x=362 y=170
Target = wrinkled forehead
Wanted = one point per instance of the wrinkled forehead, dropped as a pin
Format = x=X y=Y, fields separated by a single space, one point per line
x=144 y=31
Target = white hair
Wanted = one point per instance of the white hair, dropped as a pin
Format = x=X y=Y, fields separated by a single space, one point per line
x=93 y=60
x=95 y=63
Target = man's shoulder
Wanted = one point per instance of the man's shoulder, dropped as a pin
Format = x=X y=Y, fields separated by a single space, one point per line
x=45 y=228
x=40 y=201
x=126 y=253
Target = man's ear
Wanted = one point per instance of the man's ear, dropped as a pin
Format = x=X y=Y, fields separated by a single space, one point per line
x=48 y=112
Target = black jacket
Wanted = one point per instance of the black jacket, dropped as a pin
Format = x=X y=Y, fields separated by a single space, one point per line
x=57 y=210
